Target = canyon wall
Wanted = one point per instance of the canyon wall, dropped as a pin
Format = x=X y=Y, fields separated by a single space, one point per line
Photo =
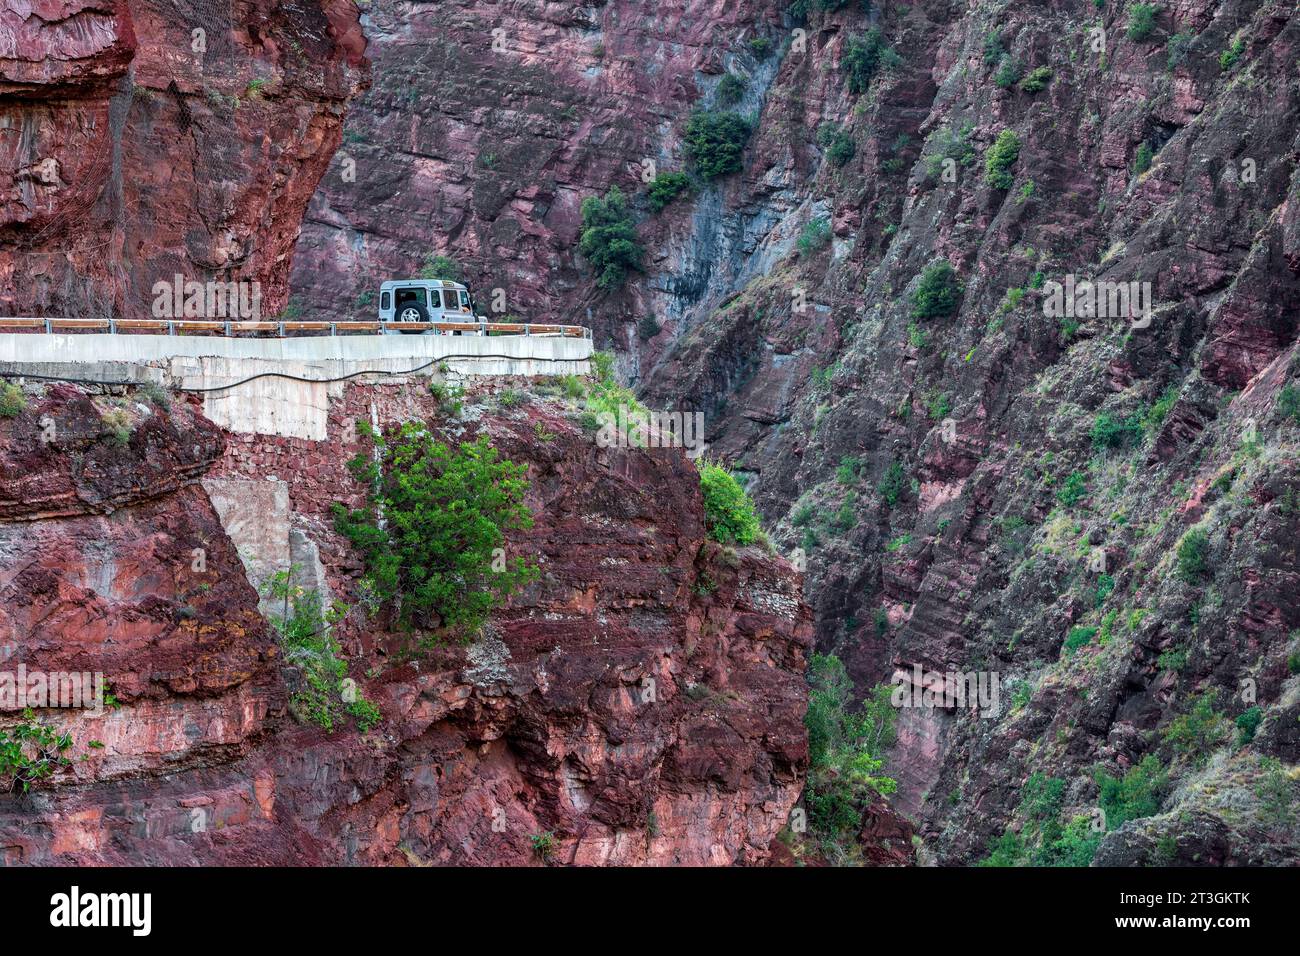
x=640 y=703
x=143 y=139
x=971 y=487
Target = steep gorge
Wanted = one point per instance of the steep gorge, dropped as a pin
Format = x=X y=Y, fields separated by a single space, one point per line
x=992 y=489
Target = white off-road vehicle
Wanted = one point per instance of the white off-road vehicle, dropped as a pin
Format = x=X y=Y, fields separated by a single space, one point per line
x=425 y=300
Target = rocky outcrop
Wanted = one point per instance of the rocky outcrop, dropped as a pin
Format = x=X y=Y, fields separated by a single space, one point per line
x=145 y=139
x=641 y=702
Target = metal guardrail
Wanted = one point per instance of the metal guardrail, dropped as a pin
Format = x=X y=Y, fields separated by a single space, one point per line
x=210 y=326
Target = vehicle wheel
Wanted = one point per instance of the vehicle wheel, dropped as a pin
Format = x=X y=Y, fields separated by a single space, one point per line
x=412 y=312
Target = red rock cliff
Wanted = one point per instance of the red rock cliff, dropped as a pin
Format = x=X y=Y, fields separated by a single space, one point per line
x=143 y=139
x=642 y=702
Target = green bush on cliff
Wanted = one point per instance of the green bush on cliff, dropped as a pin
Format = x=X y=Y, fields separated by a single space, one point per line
x=729 y=515
x=666 y=187
x=845 y=750
x=1141 y=21
x=440 y=267
x=814 y=235
x=731 y=89
x=438 y=558
x=1037 y=80
x=306 y=631
x=864 y=56
x=608 y=238
x=1135 y=795
x=1197 y=732
x=716 y=142
x=30 y=751
x=1002 y=155
x=12 y=400
x=1008 y=73
x=893 y=483
x=938 y=292
x=1193 y=555
x=1109 y=432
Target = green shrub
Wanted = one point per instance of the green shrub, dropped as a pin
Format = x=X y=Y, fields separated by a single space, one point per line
x=993 y=49
x=438 y=556
x=892 y=483
x=761 y=47
x=30 y=751
x=1232 y=55
x=1196 y=733
x=608 y=238
x=1288 y=403
x=1037 y=80
x=305 y=630
x=1002 y=155
x=938 y=292
x=1074 y=846
x=1072 y=489
x=440 y=267
x=1276 y=793
x=666 y=187
x=716 y=142
x=731 y=90
x=1105 y=585
x=1142 y=160
x=1247 y=723
x=803 y=514
x=1135 y=795
x=1009 y=850
x=1110 y=433
x=543 y=845
x=847 y=472
x=1177 y=48
x=1159 y=411
x=1078 y=637
x=12 y=400
x=864 y=56
x=729 y=515
x=156 y=394
x=938 y=405
x=1193 y=555
x=841 y=149
x=118 y=424
x=816 y=233
x=1141 y=21
x=949 y=144
x=1008 y=73
x=845 y=750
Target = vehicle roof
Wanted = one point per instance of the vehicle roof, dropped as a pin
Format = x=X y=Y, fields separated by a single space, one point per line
x=427 y=282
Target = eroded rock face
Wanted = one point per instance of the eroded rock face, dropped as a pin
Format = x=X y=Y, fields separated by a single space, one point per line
x=486 y=128
x=143 y=139
x=642 y=701
x=806 y=362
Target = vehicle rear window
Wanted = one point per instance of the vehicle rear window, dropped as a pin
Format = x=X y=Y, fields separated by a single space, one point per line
x=384 y=299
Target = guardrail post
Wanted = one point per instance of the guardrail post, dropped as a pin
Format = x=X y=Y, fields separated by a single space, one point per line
x=282 y=328
x=112 y=326
x=333 y=332
x=171 y=327
x=48 y=328
x=482 y=328
x=528 y=328
x=227 y=328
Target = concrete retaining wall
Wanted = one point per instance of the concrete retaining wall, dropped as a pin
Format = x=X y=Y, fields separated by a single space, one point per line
x=275 y=405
